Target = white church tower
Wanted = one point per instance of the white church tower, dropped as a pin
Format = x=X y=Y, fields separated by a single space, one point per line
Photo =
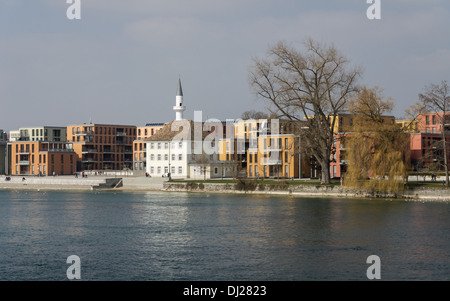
x=179 y=108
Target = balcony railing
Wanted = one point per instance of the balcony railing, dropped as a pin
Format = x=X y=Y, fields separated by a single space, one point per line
x=84 y=133
x=24 y=162
x=269 y=161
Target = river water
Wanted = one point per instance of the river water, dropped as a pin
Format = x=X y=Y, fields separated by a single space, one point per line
x=191 y=237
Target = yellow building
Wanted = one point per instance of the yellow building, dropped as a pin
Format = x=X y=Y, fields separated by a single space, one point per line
x=409 y=126
x=266 y=148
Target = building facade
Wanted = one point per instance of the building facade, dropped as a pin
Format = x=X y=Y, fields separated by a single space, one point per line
x=176 y=150
x=41 y=133
x=427 y=151
x=42 y=158
x=102 y=147
x=140 y=146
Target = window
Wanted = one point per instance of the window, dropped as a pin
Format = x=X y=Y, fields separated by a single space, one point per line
x=180 y=144
x=166 y=157
x=152 y=157
x=172 y=170
x=180 y=170
x=166 y=145
x=159 y=145
x=216 y=170
x=159 y=169
x=152 y=145
x=173 y=157
x=427 y=120
x=180 y=157
x=285 y=157
x=434 y=119
x=250 y=157
x=159 y=157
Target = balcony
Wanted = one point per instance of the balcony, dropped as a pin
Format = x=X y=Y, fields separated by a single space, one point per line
x=89 y=151
x=84 y=133
x=121 y=134
x=89 y=160
x=24 y=163
x=271 y=162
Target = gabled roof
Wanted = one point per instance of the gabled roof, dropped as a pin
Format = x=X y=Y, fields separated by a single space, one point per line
x=179 y=130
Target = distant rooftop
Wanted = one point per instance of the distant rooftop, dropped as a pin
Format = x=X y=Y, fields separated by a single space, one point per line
x=155 y=124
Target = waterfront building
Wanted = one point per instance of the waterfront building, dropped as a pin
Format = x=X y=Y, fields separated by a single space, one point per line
x=3 y=157
x=3 y=152
x=140 y=146
x=186 y=149
x=42 y=158
x=3 y=136
x=427 y=153
x=40 y=133
x=267 y=148
x=102 y=147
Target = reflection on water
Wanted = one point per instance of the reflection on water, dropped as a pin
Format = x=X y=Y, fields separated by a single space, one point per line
x=181 y=236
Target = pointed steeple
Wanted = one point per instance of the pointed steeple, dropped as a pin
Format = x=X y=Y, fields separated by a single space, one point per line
x=179 y=108
x=180 y=90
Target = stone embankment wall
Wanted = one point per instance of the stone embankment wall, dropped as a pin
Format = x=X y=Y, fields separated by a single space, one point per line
x=306 y=190
x=61 y=182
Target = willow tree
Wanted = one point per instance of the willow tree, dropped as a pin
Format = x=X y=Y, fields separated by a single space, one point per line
x=377 y=149
x=312 y=84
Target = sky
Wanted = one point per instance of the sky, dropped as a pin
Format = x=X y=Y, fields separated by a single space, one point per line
x=120 y=63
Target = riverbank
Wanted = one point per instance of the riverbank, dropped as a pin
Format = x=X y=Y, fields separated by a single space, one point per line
x=307 y=189
x=142 y=184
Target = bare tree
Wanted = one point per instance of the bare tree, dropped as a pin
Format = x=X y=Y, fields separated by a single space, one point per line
x=252 y=114
x=314 y=84
x=203 y=162
x=436 y=99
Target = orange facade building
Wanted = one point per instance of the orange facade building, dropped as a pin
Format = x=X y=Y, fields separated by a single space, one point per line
x=102 y=147
x=42 y=158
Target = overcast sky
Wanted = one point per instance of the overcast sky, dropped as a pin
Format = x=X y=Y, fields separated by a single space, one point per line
x=120 y=63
